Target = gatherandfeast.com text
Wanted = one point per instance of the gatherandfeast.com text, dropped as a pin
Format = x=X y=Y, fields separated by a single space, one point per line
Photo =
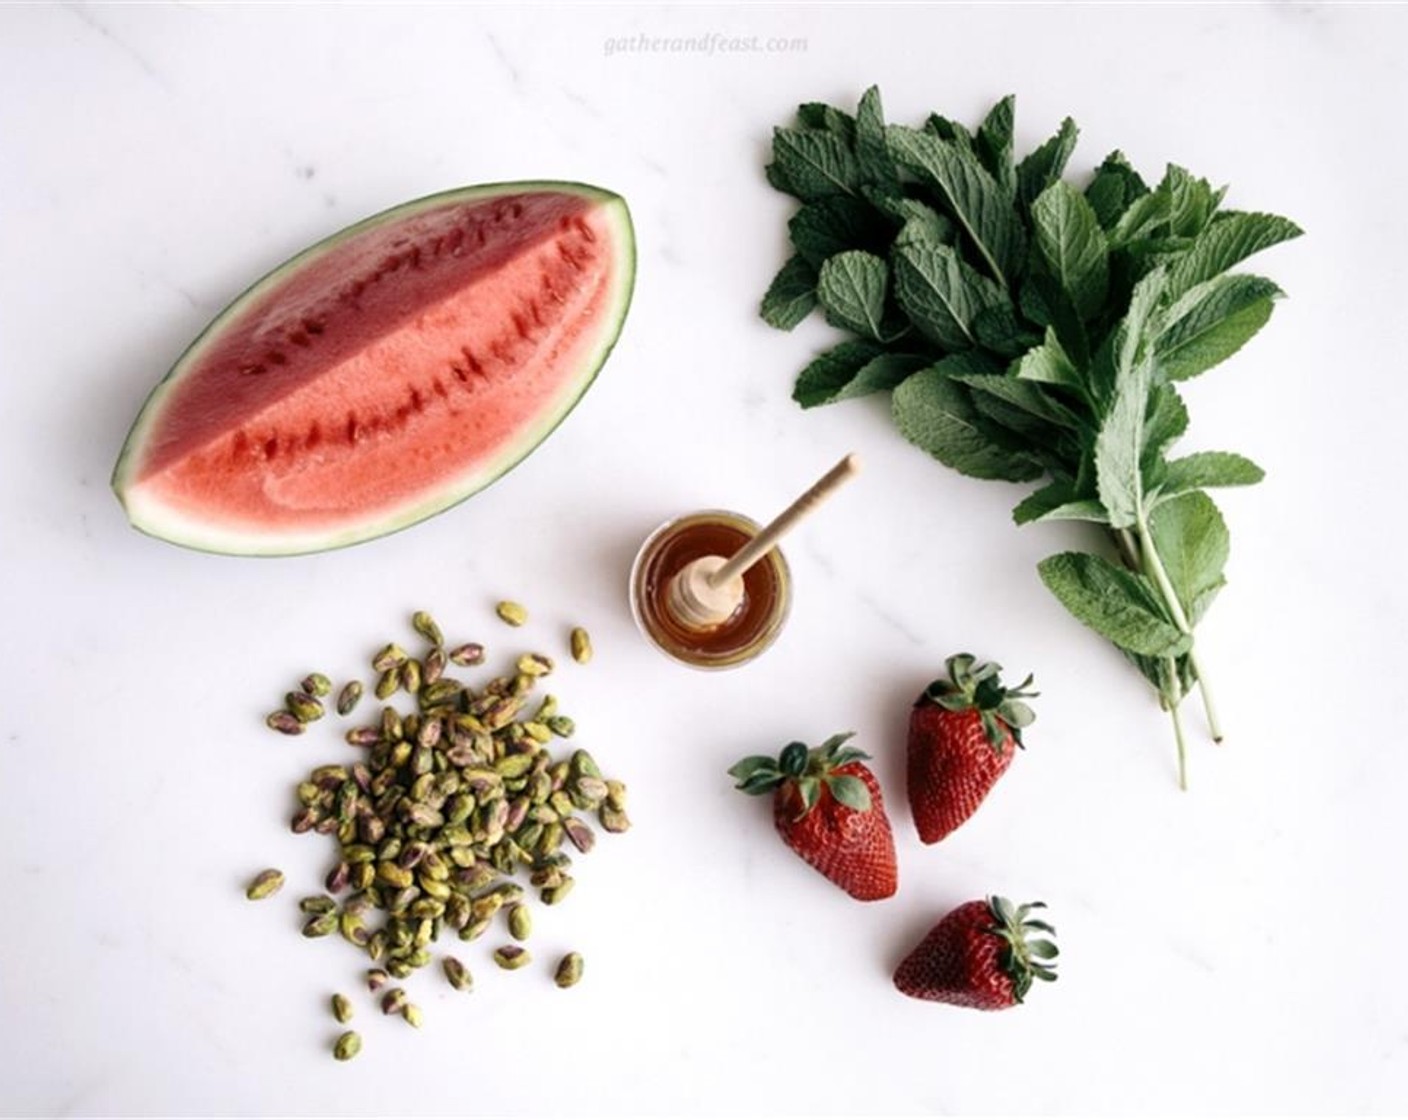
x=710 y=45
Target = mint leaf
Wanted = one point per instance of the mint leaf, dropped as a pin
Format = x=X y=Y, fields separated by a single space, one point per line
x=882 y=373
x=1184 y=354
x=853 y=369
x=951 y=132
x=874 y=159
x=1121 y=606
x=941 y=293
x=919 y=221
x=1211 y=322
x=778 y=180
x=1167 y=419
x=827 y=374
x=1056 y=502
x=1191 y=201
x=970 y=194
x=1168 y=217
x=1048 y=364
x=1145 y=218
x=1235 y=290
x=935 y=413
x=851 y=290
x=1115 y=186
x=1025 y=395
x=1156 y=671
x=832 y=225
x=815 y=114
x=1044 y=442
x=791 y=295
x=1233 y=236
x=1045 y=303
x=1072 y=246
x=1207 y=468
x=1043 y=166
x=1192 y=541
x=994 y=144
x=999 y=328
x=815 y=164
x=1131 y=338
x=1119 y=447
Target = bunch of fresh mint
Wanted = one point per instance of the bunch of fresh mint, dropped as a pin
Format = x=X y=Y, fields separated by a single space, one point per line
x=1033 y=330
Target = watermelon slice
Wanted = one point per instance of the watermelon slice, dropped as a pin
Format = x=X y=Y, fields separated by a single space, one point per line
x=384 y=374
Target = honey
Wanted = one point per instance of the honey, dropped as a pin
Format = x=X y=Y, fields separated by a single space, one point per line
x=767 y=591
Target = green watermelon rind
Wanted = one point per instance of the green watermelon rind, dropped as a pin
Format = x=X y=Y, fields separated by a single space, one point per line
x=165 y=524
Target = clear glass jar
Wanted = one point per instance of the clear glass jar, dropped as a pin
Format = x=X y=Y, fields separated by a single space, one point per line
x=753 y=627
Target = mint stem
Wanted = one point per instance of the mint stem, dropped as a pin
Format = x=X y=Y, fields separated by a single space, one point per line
x=1173 y=703
x=1154 y=566
x=1129 y=549
x=1205 y=691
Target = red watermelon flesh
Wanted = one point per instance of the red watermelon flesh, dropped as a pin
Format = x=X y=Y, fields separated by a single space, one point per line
x=384 y=374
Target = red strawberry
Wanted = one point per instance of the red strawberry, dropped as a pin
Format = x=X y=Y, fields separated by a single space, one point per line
x=828 y=809
x=962 y=737
x=980 y=956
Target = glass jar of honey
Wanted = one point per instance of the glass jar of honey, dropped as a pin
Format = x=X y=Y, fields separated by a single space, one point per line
x=753 y=626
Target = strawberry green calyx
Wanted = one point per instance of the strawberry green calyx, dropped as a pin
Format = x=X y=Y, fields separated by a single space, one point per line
x=810 y=770
x=1022 y=957
x=978 y=687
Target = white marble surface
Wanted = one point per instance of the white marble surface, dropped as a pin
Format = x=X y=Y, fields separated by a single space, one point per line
x=1232 y=949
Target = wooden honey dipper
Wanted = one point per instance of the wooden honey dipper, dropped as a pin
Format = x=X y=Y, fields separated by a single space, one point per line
x=705 y=593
